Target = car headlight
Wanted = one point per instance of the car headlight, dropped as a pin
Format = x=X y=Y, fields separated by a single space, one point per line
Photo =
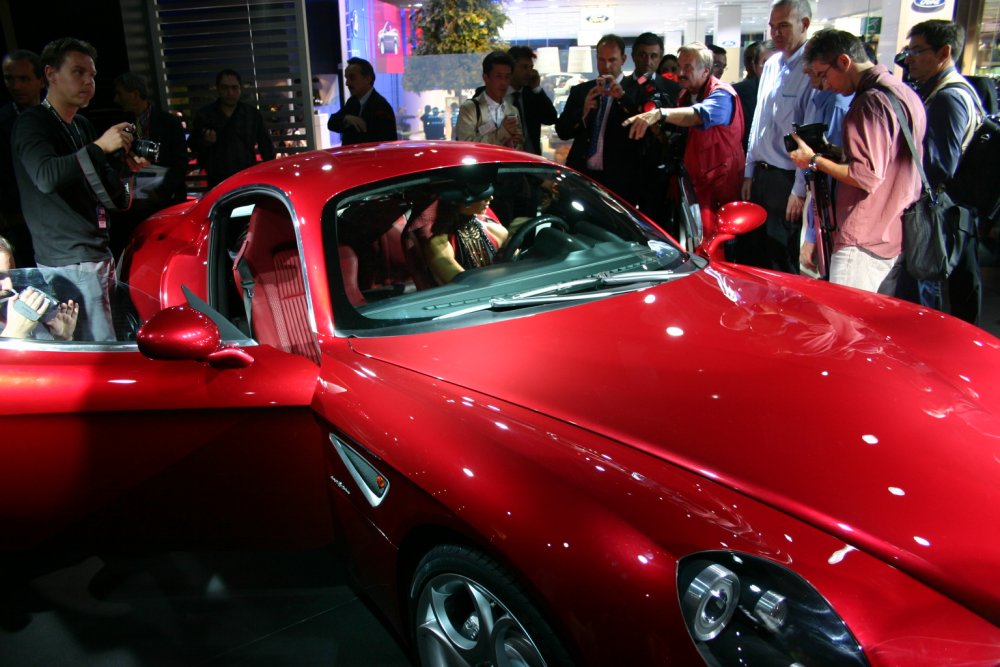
x=741 y=609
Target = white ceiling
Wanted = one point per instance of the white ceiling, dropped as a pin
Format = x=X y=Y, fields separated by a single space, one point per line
x=580 y=19
x=567 y=19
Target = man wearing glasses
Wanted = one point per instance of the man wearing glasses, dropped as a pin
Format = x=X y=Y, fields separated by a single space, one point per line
x=878 y=179
x=953 y=114
x=770 y=179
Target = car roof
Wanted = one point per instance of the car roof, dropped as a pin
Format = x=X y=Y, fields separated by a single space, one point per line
x=338 y=169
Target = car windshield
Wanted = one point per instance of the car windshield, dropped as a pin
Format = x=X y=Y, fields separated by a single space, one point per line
x=47 y=314
x=465 y=242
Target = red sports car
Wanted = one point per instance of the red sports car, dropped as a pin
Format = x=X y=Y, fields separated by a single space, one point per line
x=545 y=433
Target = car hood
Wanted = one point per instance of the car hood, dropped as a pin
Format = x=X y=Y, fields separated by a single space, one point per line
x=875 y=420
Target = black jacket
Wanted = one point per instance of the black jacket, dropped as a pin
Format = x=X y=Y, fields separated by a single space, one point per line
x=377 y=114
x=166 y=129
x=537 y=110
x=618 y=148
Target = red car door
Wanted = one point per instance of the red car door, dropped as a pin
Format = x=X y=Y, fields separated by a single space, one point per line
x=104 y=446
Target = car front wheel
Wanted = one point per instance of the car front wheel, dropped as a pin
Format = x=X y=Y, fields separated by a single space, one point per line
x=467 y=610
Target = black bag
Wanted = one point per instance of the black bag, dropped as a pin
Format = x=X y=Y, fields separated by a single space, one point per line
x=935 y=228
x=935 y=231
x=977 y=179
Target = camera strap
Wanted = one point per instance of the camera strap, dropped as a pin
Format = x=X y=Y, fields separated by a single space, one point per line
x=97 y=186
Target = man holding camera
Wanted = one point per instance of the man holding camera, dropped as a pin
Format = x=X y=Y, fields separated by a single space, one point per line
x=879 y=178
x=69 y=179
x=593 y=118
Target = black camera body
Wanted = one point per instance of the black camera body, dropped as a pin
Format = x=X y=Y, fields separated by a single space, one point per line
x=144 y=148
x=814 y=134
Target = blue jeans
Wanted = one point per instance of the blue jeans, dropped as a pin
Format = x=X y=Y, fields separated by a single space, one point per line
x=89 y=284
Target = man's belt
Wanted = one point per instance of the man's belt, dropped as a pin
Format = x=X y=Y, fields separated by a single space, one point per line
x=770 y=167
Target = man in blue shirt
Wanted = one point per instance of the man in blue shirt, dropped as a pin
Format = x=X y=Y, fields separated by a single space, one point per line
x=953 y=114
x=770 y=177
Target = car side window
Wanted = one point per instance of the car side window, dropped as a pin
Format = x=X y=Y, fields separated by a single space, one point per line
x=46 y=306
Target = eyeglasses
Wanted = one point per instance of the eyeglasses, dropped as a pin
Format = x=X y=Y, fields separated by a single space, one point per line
x=819 y=74
x=913 y=53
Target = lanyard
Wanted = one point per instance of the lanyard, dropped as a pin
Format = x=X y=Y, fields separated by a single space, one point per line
x=75 y=137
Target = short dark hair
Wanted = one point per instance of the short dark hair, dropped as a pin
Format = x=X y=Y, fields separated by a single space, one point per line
x=750 y=54
x=939 y=33
x=365 y=66
x=520 y=52
x=648 y=39
x=612 y=39
x=497 y=58
x=829 y=44
x=17 y=55
x=718 y=50
x=228 y=72
x=55 y=51
x=133 y=83
x=664 y=61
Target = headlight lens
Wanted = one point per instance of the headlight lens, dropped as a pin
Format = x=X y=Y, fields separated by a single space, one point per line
x=742 y=609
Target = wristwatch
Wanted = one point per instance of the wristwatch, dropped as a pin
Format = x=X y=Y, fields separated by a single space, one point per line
x=812 y=163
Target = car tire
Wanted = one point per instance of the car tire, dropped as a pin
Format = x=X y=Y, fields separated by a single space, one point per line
x=458 y=592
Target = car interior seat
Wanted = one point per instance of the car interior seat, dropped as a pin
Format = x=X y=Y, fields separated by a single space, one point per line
x=269 y=272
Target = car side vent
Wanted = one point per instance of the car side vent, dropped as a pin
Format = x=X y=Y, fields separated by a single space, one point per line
x=373 y=484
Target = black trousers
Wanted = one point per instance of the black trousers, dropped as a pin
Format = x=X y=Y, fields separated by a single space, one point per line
x=775 y=244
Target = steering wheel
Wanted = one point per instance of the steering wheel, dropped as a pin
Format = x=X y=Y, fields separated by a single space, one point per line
x=514 y=243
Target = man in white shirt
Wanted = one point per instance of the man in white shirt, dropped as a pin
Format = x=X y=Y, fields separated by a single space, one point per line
x=770 y=177
x=488 y=118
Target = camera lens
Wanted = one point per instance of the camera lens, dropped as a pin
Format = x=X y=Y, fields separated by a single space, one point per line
x=146 y=148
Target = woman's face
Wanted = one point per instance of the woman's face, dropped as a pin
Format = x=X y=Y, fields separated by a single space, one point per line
x=476 y=207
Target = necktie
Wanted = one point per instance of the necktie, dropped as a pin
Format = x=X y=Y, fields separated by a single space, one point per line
x=595 y=131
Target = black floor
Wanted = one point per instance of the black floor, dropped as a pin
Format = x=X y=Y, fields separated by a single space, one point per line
x=217 y=610
x=270 y=610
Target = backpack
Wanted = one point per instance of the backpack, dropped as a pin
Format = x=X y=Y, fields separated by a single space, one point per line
x=976 y=183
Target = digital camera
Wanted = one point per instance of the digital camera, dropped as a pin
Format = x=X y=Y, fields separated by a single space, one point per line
x=814 y=134
x=144 y=148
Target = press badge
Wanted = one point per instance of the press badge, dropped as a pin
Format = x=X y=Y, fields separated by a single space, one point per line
x=102 y=218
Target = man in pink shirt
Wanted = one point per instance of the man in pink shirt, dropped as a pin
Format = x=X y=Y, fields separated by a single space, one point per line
x=879 y=179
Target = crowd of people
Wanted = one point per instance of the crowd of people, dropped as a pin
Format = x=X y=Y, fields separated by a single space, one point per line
x=68 y=195
x=740 y=142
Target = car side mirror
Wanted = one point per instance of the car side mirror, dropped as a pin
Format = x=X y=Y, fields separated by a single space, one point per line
x=731 y=220
x=184 y=333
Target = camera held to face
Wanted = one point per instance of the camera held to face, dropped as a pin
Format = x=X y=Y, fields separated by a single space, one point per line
x=144 y=148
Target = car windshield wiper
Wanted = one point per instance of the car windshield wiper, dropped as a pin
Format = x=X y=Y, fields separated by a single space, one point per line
x=581 y=289
x=571 y=288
